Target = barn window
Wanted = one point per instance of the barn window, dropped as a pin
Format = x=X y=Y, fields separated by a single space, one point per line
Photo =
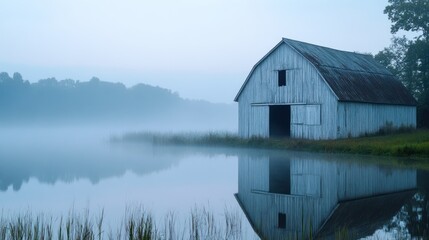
x=282 y=220
x=282 y=78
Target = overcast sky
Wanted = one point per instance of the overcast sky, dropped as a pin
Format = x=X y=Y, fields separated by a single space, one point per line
x=202 y=49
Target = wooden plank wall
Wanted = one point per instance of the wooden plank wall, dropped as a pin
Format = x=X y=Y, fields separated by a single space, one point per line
x=334 y=180
x=307 y=93
x=304 y=86
x=356 y=119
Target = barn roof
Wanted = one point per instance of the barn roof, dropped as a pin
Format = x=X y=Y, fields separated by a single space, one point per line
x=362 y=217
x=353 y=77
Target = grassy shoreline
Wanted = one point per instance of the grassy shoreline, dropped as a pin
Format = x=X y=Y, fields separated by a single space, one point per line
x=413 y=144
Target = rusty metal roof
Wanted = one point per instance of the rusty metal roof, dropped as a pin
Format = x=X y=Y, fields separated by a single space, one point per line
x=362 y=217
x=353 y=77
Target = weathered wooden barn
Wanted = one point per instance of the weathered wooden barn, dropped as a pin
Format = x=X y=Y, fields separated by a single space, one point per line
x=294 y=195
x=302 y=90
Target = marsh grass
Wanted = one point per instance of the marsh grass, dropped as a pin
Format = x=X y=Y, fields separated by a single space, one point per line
x=137 y=224
x=25 y=227
x=403 y=143
x=204 y=225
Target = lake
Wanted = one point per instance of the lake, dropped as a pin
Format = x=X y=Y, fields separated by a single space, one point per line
x=276 y=194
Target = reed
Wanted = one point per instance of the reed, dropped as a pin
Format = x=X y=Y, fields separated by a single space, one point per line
x=403 y=143
x=137 y=224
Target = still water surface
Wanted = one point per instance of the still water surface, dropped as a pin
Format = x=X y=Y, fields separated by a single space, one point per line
x=277 y=194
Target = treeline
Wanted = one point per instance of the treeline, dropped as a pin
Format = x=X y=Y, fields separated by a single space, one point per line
x=408 y=59
x=50 y=100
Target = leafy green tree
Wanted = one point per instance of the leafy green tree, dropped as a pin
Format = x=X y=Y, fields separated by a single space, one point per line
x=409 y=15
x=409 y=59
x=393 y=57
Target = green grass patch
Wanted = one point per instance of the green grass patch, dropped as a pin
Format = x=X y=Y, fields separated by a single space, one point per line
x=405 y=144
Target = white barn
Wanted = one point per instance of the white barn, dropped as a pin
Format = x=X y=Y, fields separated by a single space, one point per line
x=302 y=90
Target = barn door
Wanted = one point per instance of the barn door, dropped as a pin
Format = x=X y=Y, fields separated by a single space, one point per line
x=279 y=117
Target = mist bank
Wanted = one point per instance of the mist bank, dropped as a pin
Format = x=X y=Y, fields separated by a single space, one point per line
x=410 y=143
x=95 y=102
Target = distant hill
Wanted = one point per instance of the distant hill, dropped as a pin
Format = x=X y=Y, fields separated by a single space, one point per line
x=50 y=101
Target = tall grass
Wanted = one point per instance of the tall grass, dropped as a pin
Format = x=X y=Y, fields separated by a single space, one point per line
x=26 y=227
x=137 y=224
x=407 y=143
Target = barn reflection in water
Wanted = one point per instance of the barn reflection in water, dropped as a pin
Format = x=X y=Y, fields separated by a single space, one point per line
x=293 y=195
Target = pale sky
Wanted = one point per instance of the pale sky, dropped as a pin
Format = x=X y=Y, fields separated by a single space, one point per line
x=202 y=49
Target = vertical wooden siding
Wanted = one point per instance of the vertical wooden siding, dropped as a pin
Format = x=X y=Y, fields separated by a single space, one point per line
x=339 y=181
x=356 y=119
x=303 y=86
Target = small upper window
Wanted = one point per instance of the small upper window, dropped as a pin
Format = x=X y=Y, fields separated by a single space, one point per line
x=282 y=78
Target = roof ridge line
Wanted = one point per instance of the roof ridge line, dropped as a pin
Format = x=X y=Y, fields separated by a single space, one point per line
x=330 y=48
x=351 y=70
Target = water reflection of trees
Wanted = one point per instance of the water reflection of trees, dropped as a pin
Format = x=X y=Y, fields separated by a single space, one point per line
x=413 y=218
x=282 y=195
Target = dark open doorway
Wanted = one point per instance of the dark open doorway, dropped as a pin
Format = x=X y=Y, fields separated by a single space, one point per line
x=280 y=177
x=279 y=121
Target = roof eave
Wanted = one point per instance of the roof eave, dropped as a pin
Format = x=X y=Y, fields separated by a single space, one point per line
x=253 y=69
x=249 y=219
x=382 y=103
x=285 y=40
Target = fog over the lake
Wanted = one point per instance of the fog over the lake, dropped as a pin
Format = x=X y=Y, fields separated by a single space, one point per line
x=112 y=106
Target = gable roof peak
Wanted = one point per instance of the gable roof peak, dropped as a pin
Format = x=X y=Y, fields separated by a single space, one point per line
x=353 y=77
